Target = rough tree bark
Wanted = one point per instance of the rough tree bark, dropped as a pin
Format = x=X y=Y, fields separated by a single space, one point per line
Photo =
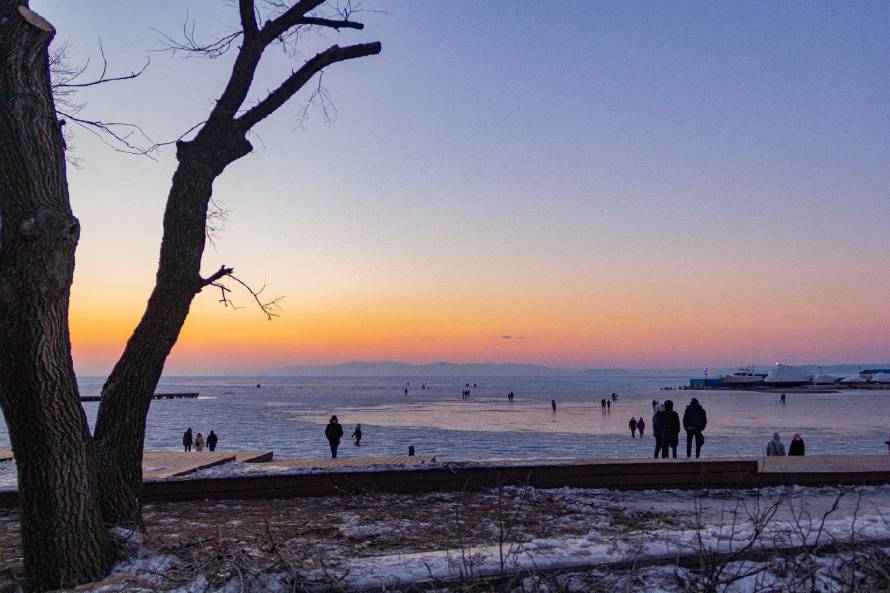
x=126 y=395
x=63 y=537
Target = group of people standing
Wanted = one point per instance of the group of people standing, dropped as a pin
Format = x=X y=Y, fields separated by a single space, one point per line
x=198 y=441
x=666 y=428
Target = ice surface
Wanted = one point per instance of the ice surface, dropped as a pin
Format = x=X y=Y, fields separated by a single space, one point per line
x=287 y=416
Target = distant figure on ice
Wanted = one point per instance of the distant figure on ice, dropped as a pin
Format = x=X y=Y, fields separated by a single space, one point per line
x=187 y=439
x=887 y=442
x=608 y=405
x=333 y=432
x=670 y=430
x=553 y=404
x=775 y=448
x=656 y=428
x=603 y=404
x=258 y=385
x=211 y=441
x=796 y=446
x=199 y=442
x=641 y=426
x=654 y=403
x=694 y=421
x=357 y=435
x=782 y=398
x=614 y=397
x=633 y=427
x=406 y=391
x=510 y=396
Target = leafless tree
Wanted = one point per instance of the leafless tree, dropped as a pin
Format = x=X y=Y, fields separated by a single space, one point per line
x=60 y=465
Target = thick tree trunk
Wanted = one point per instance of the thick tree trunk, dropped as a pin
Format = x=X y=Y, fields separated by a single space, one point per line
x=63 y=537
x=126 y=395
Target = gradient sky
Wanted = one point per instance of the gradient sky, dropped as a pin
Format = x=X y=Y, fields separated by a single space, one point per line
x=634 y=184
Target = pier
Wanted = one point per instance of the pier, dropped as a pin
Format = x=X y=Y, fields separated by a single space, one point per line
x=187 y=395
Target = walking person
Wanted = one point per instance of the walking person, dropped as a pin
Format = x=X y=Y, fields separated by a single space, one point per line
x=553 y=404
x=603 y=404
x=670 y=430
x=641 y=426
x=782 y=399
x=199 y=442
x=775 y=448
x=656 y=428
x=633 y=427
x=211 y=441
x=333 y=432
x=796 y=447
x=608 y=405
x=694 y=421
x=357 y=435
x=187 y=439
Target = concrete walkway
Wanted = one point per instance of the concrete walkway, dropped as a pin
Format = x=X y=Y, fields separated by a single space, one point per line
x=825 y=464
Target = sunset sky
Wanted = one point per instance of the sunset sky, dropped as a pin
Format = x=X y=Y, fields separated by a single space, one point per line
x=588 y=184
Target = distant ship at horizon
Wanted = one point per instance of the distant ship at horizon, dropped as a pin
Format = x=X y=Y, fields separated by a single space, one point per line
x=743 y=377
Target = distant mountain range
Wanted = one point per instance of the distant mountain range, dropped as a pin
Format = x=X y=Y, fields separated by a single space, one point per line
x=436 y=369
x=506 y=369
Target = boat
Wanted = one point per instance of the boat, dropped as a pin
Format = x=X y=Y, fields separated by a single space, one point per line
x=783 y=375
x=742 y=377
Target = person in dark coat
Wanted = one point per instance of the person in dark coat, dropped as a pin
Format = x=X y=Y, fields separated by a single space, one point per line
x=656 y=428
x=187 y=439
x=211 y=441
x=796 y=447
x=670 y=430
x=334 y=432
x=553 y=404
x=694 y=422
x=641 y=426
x=633 y=427
x=357 y=435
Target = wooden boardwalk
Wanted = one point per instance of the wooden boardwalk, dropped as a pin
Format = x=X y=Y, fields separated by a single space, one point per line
x=354 y=462
x=158 y=465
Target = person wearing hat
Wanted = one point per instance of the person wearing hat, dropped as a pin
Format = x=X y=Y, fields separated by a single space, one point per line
x=334 y=432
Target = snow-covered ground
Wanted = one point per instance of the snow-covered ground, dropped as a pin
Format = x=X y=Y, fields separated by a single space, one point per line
x=565 y=539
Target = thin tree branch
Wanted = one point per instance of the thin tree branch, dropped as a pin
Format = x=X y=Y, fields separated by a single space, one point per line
x=101 y=79
x=270 y=309
x=298 y=79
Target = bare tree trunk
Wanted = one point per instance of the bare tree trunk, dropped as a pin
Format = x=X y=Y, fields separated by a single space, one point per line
x=126 y=395
x=63 y=537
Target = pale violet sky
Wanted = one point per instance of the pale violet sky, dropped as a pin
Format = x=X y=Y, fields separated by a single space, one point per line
x=624 y=183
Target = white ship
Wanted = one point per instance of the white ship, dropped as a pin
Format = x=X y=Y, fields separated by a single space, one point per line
x=783 y=375
x=743 y=377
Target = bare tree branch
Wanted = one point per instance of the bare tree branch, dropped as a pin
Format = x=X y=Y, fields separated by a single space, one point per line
x=298 y=79
x=248 y=16
x=270 y=308
x=289 y=18
x=330 y=23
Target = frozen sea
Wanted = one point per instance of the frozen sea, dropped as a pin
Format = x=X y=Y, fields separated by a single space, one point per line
x=287 y=415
